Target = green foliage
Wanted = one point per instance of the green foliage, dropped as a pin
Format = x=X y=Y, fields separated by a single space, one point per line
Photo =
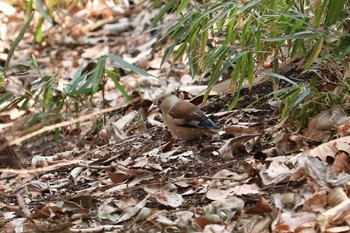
x=56 y=101
x=218 y=36
x=17 y=40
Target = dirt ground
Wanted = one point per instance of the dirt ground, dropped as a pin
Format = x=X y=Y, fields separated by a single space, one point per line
x=120 y=170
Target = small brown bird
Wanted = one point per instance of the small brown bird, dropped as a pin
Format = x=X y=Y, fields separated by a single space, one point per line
x=184 y=119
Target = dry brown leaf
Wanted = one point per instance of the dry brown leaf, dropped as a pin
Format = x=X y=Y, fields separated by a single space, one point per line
x=338 y=149
x=320 y=172
x=184 y=218
x=334 y=215
x=336 y=196
x=242 y=129
x=319 y=125
x=339 y=229
x=277 y=172
x=143 y=214
x=46 y=225
x=246 y=189
x=262 y=207
x=341 y=163
x=118 y=177
x=317 y=202
x=171 y=199
x=290 y=222
x=48 y=211
x=201 y=222
x=216 y=228
x=286 y=143
x=238 y=176
x=217 y=194
x=230 y=205
x=164 y=220
x=230 y=145
x=164 y=195
x=262 y=226
x=131 y=212
x=284 y=200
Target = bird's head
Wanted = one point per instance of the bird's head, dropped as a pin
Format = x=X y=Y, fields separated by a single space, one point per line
x=163 y=97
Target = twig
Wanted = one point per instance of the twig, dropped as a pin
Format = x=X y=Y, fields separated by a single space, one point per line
x=58 y=125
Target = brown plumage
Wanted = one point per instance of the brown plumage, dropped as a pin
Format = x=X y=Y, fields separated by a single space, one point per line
x=184 y=120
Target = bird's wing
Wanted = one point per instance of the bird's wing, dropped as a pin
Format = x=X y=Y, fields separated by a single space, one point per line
x=187 y=114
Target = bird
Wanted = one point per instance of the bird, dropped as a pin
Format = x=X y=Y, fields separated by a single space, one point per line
x=184 y=119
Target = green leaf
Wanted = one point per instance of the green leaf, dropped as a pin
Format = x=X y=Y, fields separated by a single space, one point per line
x=302 y=95
x=167 y=53
x=95 y=79
x=180 y=51
x=114 y=78
x=250 y=69
x=203 y=42
x=335 y=11
x=38 y=117
x=298 y=35
x=48 y=95
x=17 y=40
x=78 y=76
x=57 y=136
x=221 y=17
x=314 y=53
x=129 y=66
x=269 y=73
x=80 y=91
x=44 y=13
x=169 y=5
x=238 y=91
x=29 y=7
x=5 y=97
x=182 y=6
x=248 y=6
x=319 y=8
x=39 y=31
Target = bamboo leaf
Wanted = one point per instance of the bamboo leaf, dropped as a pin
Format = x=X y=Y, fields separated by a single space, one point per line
x=80 y=91
x=269 y=73
x=39 y=31
x=298 y=35
x=180 y=51
x=169 y=5
x=182 y=6
x=334 y=12
x=5 y=97
x=17 y=40
x=114 y=78
x=129 y=66
x=167 y=53
x=314 y=53
x=44 y=13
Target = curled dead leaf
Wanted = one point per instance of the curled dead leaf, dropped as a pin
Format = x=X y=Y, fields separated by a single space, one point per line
x=230 y=145
x=262 y=207
x=319 y=125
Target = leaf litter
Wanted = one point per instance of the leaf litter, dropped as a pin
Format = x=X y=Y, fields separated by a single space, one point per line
x=255 y=176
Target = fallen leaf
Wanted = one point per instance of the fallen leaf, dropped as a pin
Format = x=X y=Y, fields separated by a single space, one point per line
x=230 y=145
x=261 y=207
x=118 y=177
x=245 y=189
x=277 y=172
x=201 y=222
x=131 y=212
